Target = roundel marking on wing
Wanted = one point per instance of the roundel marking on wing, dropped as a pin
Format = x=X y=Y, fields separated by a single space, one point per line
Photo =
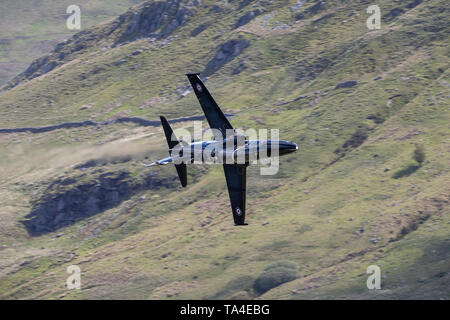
x=199 y=87
x=238 y=211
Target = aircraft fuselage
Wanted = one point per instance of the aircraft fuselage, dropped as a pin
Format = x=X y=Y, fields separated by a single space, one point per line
x=226 y=151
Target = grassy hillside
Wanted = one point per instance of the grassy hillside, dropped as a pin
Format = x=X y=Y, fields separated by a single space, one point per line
x=30 y=29
x=357 y=102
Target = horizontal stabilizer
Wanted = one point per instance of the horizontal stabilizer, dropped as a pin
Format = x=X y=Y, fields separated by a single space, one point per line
x=172 y=141
x=171 y=138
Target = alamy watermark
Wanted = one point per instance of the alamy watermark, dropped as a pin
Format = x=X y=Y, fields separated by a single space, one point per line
x=74 y=20
x=374 y=280
x=74 y=280
x=231 y=146
x=374 y=21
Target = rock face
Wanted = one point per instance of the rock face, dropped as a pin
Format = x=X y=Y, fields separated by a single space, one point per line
x=199 y=29
x=347 y=84
x=395 y=13
x=58 y=208
x=298 y=5
x=317 y=7
x=156 y=19
x=414 y=4
x=246 y=18
x=226 y=52
x=151 y=19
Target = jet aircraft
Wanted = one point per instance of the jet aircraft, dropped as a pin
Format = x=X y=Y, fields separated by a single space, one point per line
x=235 y=151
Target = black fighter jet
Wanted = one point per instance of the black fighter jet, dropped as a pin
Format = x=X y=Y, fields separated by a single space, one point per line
x=229 y=148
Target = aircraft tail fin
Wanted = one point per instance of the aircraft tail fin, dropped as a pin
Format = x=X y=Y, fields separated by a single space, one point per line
x=172 y=141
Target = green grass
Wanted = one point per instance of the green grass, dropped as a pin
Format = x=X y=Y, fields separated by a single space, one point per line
x=33 y=28
x=180 y=242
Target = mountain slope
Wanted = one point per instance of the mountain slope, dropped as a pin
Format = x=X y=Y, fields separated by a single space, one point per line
x=356 y=102
x=31 y=29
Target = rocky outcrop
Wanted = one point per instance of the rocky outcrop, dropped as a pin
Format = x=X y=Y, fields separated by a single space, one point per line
x=153 y=19
x=156 y=19
x=246 y=18
x=64 y=203
x=199 y=29
x=346 y=84
x=316 y=8
x=226 y=52
x=414 y=4
x=394 y=13
x=298 y=5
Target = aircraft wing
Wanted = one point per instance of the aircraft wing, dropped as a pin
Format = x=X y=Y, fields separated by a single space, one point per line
x=236 y=182
x=214 y=115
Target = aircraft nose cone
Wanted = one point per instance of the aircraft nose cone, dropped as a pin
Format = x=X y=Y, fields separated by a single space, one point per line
x=294 y=146
x=287 y=147
x=291 y=146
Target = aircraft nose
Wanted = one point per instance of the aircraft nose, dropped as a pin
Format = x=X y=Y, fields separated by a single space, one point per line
x=293 y=146
x=287 y=147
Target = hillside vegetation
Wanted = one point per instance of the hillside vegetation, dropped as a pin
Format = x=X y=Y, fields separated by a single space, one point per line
x=30 y=29
x=357 y=102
